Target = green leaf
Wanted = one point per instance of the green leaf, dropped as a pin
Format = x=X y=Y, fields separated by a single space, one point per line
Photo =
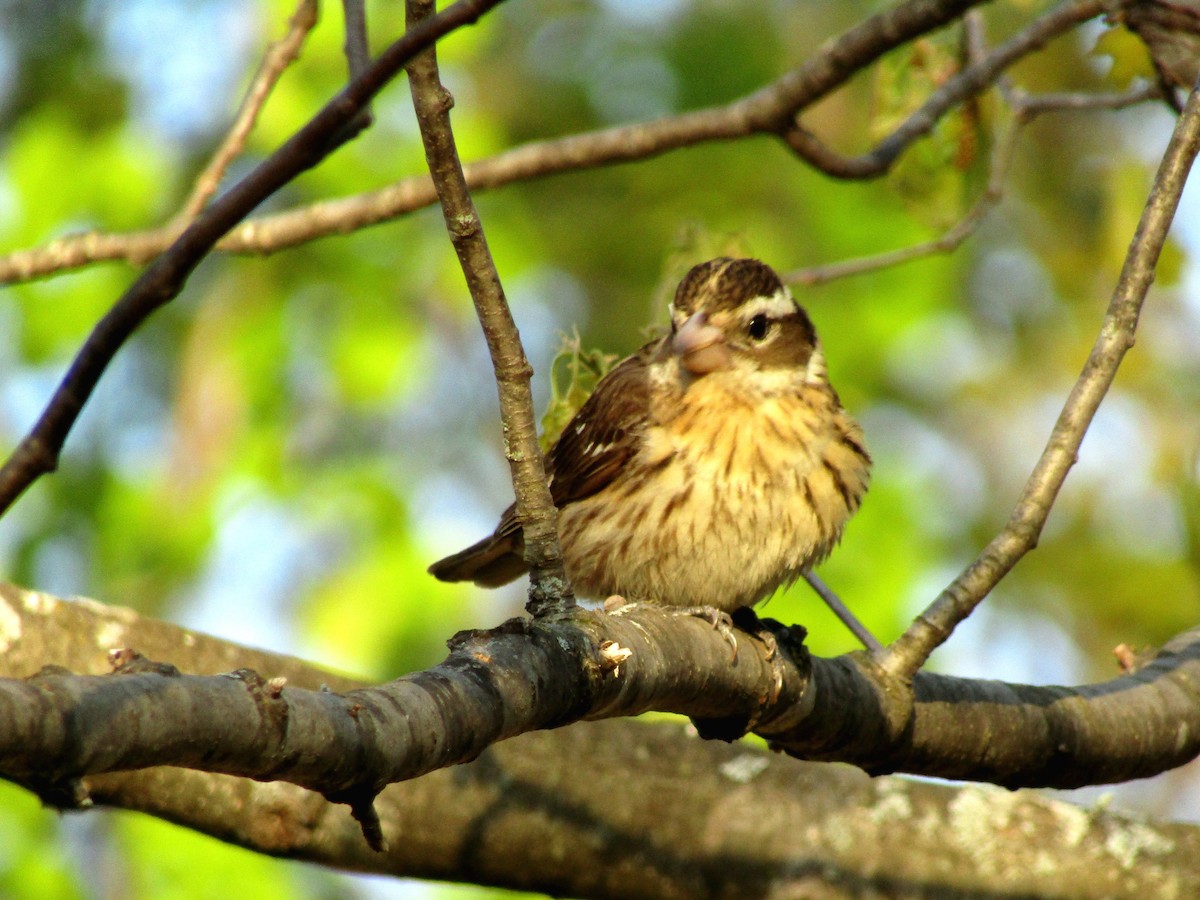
x=1129 y=56
x=574 y=372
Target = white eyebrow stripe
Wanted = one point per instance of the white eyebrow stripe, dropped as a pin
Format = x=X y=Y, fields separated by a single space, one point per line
x=776 y=306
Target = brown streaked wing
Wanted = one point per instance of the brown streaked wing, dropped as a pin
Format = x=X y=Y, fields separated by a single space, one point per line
x=604 y=434
x=599 y=439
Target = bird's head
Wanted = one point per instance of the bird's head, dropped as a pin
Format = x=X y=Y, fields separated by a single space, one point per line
x=736 y=315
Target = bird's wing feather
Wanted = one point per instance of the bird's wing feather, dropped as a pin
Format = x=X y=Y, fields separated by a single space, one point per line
x=603 y=435
x=599 y=439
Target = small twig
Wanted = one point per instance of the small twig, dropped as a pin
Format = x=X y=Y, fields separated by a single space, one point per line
x=356 y=47
x=946 y=243
x=280 y=54
x=38 y=452
x=907 y=655
x=974 y=41
x=970 y=81
x=1043 y=103
x=548 y=588
x=1025 y=109
x=842 y=611
x=358 y=57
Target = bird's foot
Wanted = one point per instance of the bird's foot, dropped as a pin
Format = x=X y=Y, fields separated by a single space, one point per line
x=615 y=605
x=720 y=620
x=748 y=621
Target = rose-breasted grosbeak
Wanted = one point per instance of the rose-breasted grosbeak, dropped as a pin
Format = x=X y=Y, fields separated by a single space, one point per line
x=707 y=469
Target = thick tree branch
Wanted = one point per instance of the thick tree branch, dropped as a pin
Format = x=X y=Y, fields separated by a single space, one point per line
x=38 y=452
x=907 y=654
x=617 y=832
x=548 y=585
x=58 y=727
x=743 y=823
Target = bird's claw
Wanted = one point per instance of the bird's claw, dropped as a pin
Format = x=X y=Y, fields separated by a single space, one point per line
x=616 y=605
x=720 y=620
x=748 y=621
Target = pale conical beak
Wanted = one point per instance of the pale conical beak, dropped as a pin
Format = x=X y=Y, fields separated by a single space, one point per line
x=700 y=346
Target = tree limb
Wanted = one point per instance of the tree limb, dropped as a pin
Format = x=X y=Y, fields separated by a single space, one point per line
x=280 y=54
x=744 y=818
x=57 y=727
x=741 y=823
x=965 y=84
x=1026 y=108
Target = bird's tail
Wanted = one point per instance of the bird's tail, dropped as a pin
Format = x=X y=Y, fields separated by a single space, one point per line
x=494 y=561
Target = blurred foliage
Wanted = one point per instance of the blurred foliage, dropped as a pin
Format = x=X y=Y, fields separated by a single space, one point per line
x=930 y=176
x=279 y=453
x=1128 y=56
x=574 y=372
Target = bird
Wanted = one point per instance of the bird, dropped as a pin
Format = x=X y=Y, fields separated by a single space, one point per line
x=708 y=469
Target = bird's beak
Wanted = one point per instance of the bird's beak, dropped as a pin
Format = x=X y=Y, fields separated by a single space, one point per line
x=700 y=346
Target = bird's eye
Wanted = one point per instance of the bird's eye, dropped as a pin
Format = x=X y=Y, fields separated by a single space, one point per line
x=758 y=327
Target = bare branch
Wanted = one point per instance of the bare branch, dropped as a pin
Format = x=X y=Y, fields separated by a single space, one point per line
x=358 y=57
x=907 y=654
x=358 y=54
x=1026 y=108
x=839 y=609
x=1013 y=735
x=949 y=241
x=1042 y=103
x=280 y=54
x=770 y=110
x=771 y=826
x=38 y=453
x=548 y=585
x=967 y=83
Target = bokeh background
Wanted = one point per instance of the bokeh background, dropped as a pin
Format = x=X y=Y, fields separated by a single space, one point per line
x=278 y=455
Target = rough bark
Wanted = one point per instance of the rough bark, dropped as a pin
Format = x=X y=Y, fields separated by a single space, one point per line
x=625 y=808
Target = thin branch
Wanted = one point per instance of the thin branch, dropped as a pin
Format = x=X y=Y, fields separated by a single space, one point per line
x=839 y=609
x=768 y=110
x=280 y=54
x=970 y=81
x=907 y=654
x=358 y=57
x=38 y=452
x=949 y=241
x=548 y=585
x=1025 y=108
x=280 y=231
x=1037 y=104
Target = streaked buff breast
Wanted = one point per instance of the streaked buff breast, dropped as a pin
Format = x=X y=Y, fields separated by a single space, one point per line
x=720 y=509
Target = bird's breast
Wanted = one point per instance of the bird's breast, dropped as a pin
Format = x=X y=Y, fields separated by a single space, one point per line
x=725 y=501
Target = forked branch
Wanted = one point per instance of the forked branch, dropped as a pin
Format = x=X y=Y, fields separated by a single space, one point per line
x=930 y=629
